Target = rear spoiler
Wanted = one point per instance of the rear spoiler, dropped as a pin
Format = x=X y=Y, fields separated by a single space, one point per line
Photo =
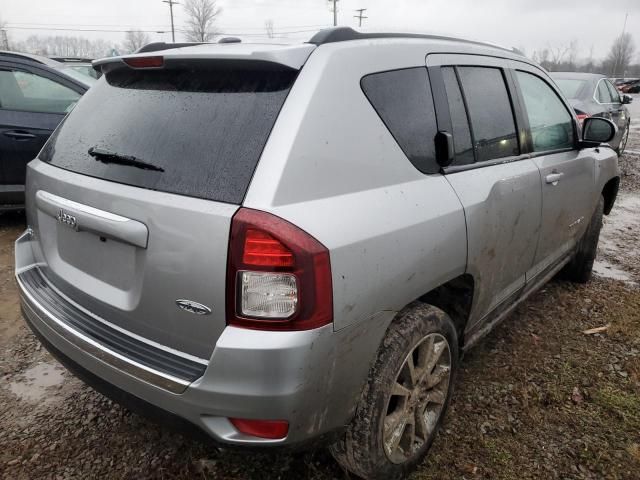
x=292 y=57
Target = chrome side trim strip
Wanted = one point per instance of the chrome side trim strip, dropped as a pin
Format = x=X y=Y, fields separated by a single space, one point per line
x=35 y=311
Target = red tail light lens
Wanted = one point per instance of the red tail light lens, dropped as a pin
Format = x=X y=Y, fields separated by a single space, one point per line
x=145 y=62
x=278 y=276
x=581 y=117
x=272 y=429
x=261 y=249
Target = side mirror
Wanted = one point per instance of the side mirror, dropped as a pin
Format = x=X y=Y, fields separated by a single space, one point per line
x=626 y=99
x=445 y=151
x=597 y=130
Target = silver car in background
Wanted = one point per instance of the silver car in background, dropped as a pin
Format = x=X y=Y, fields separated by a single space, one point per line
x=291 y=244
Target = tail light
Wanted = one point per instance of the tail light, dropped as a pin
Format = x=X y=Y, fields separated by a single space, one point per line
x=278 y=276
x=581 y=117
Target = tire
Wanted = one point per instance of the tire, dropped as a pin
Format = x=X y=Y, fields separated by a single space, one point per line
x=579 y=269
x=416 y=336
x=623 y=141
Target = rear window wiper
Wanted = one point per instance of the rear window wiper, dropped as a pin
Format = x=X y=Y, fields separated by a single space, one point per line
x=106 y=156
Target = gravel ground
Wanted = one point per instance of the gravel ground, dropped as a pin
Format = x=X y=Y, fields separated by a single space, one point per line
x=537 y=399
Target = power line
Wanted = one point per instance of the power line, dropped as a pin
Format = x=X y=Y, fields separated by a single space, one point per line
x=360 y=16
x=280 y=32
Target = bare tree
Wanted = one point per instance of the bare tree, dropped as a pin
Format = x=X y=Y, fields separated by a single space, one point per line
x=268 y=25
x=134 y=39
x=201 y=17
x=620 y=55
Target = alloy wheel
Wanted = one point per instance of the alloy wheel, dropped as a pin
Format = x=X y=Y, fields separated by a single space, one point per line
x=417 y=398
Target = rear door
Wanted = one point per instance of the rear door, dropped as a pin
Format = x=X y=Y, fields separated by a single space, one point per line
x=144 y=238
x=567 y=173
x=499 y=188
x=32 y=104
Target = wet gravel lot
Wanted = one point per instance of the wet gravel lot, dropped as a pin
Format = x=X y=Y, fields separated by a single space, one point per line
x=537 y=399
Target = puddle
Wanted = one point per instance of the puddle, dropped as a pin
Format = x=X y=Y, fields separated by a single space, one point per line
x=604 y=269
x=623 y=219
x=35 y=382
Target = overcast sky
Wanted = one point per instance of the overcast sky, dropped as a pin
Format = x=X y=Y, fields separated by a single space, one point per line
x=531 y=24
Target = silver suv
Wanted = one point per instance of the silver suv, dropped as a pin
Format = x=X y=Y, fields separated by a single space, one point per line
x=281 y=244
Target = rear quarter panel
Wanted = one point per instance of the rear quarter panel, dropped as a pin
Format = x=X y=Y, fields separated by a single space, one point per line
x=332 y=168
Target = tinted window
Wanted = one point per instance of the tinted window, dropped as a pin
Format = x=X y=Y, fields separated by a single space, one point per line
x=603 y=94
x=550 y=123
x=460 y=123
x=615 y=96
x=404 y=102
x=32 y=93
x=571 y=88
x=494 y=128
x=205 y=128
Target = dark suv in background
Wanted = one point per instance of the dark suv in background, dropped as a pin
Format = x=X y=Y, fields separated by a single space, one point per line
x=35 y=95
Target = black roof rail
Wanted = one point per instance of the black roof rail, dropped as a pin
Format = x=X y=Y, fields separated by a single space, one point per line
x=345 y=34
x=157 y=46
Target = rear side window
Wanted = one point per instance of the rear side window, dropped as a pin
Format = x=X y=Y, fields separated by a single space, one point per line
x=490 y=112
x=28 y=92
x=204 y=128
x=460 y=123
x=550 y=123
x=403 y=100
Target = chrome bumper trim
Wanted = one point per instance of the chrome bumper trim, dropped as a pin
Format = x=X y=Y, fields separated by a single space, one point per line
x=38 y=314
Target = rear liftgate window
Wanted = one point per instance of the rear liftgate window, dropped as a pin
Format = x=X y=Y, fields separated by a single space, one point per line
x=403 y=100
x=203 y=130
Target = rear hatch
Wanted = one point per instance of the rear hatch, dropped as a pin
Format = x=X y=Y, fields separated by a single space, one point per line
x=133 y=196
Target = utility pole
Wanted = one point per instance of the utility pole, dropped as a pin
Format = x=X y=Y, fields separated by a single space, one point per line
x=171 y=4
x=4 y=40
x=360 y=15
x=335 y=12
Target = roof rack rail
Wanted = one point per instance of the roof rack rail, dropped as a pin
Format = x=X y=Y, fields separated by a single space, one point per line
x=157 y=46
x=345 y=34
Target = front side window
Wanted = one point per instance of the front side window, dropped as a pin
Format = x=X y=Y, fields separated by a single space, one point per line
x=602 y=93
x=28 y=92
x=615 y=96
x=489 y=107
x=550 y=123
x=403 y=100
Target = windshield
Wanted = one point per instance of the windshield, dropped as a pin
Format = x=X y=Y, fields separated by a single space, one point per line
x=202 y=130
x=570 y=86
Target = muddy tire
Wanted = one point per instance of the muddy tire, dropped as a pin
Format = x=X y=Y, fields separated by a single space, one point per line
x=623 y=140
x=579 y=268
x=406 y=396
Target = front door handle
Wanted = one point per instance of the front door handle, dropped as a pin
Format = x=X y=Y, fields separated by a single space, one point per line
x=19 y=135
x=554 y=178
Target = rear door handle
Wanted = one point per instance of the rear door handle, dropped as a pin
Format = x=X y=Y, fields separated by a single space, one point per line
x=19 y=135
x=554 y=178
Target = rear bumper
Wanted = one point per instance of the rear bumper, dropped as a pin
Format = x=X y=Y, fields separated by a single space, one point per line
x=312 y=379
